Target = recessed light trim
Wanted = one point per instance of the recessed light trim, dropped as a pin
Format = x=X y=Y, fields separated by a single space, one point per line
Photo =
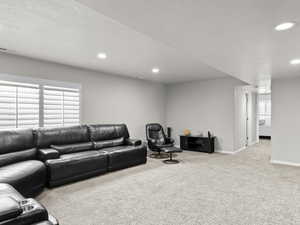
x=102 y=55
x=285 y=26
x=295 y=62
x=155 y=70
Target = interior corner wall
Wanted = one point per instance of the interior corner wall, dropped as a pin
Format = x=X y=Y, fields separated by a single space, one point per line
x=104 y=98
x=203 y=106
x=286 y=120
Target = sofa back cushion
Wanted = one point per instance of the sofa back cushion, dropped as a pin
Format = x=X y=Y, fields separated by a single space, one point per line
x=109 y=143
x=14 y=157
x=16 y=140
x=72 y=148
x=61 y=136
x=16 y=145
x=108 y=132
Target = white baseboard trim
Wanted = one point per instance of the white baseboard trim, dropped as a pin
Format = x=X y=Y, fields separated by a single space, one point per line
x=253 y=143
x=224 y=152
x=231 y=152
x=285 y=163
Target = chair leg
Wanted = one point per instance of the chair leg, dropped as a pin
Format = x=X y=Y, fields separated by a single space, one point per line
x=171 y=160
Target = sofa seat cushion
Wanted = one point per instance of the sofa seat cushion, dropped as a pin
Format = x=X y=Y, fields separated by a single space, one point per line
x=109 y=143
x=27 y=177
x=71 y=148
x=125 y=156
x=74 y=166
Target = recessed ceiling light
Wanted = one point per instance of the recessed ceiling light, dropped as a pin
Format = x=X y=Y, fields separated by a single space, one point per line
x=285 y=26
x=295 y=62
x=155 y=70
x=102 y=55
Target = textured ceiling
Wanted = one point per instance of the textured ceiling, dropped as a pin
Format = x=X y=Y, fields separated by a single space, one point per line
x=187 y=40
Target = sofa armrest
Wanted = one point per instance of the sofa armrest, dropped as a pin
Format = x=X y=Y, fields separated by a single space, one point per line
x=9 y=209
x=47 y=153
x=134 y=142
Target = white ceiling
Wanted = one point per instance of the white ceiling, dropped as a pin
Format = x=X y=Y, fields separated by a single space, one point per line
x=187 y=40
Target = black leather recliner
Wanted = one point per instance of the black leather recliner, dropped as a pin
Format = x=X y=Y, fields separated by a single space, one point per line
x=16 y=210
x=156 y=138
x=68 y=154
x=114 y=141
x=19 y=166
x=78 y=152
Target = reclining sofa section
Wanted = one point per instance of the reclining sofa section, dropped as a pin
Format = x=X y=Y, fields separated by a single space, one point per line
x=78 y=152
x=19 y=166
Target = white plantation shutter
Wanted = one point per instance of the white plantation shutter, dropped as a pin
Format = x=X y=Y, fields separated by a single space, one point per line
x=35 y=103
x=19 y=105
x=61 y=106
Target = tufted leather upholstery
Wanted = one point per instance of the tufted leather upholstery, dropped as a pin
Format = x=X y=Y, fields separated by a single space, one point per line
x=76 y=166
x=102 y=132
x=156 y=137
x=114 y=140
x=65 y=155
x=13 y=157
x=18 y=164
x=69 y=152
x=71 y=148
x=16 y=140
x=28 y=177
x=120 y=157
x=36 y=216
x=61 y=136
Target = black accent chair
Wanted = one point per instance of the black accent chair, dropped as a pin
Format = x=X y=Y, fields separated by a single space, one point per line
x=157 y=139
x=17 y=210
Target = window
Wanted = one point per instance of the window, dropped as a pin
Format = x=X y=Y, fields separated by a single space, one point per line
x=19 y=105
x=36 y=104
x=61 y=106
x=264 y=109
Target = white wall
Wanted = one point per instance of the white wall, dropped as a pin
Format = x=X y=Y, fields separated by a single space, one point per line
x=203 y=106
x=286 y=120
x=105 y=98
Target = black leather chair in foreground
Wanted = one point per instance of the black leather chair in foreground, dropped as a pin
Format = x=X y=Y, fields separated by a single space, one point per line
x=157 y=139
x=16 y=210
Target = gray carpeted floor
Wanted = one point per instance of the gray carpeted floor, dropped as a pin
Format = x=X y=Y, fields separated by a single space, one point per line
x=241 y=189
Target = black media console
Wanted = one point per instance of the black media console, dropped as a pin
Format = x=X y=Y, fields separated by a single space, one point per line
x=197 y=143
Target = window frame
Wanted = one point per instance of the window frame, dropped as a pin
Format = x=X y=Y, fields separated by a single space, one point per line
x=41 y=83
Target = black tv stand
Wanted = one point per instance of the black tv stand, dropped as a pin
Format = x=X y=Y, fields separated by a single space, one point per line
x=197 y=143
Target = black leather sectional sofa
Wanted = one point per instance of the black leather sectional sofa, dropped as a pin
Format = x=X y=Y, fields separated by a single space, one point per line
x=33 y=159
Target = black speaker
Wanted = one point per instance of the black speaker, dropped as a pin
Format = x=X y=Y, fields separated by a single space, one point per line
x=169 y=132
